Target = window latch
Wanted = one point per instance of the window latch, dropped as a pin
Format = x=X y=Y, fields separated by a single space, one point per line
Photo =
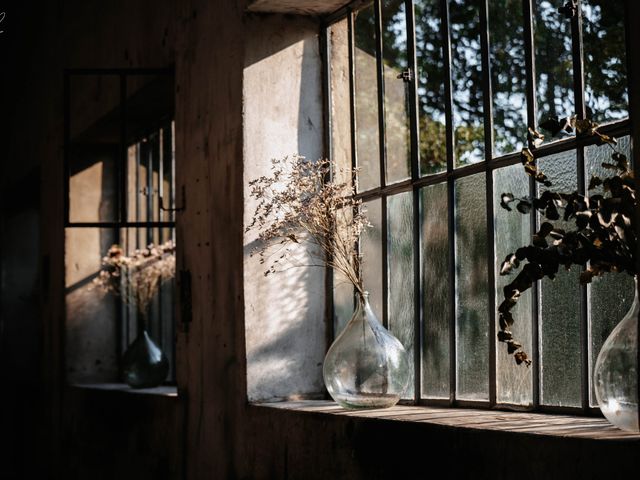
x=406 y=75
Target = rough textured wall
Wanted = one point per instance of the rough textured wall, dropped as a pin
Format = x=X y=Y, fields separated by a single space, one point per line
x=284 y=312
x=98 y=435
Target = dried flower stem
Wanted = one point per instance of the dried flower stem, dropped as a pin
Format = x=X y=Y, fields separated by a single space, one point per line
x=296 y=204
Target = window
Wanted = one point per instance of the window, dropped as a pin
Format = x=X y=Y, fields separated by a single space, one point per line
x=120 y=189
x=431 y=100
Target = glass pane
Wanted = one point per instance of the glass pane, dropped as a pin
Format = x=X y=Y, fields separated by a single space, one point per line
x=91 y=315
x=94 y=124
x=472 y=289
x=151 y=167
x=400 y=274
x=435 y=291
x=150 y=176
x=161 y=320
x=343 y=290
x=371 y=250
x=430 y=79
x=340 y=99
x=466 y=78
x=514 y=383
x=554 y=69
x=396 y=91
x=508 y=76
x=366 y=86
x=560 y=356
x=610 y=296
x=604 y=60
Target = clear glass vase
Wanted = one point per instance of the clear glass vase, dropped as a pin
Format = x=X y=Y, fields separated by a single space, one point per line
x=615 y=374
x=366 y=366
x=144 y=365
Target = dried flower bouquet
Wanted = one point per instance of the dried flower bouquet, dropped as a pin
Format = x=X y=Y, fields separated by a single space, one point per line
x=301 y=203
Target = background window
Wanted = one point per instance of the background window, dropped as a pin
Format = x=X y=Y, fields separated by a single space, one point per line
x=120 y=189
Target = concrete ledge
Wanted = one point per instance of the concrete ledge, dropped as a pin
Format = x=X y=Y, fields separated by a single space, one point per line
x=163 y=390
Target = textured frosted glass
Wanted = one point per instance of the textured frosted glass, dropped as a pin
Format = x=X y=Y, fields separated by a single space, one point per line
x=367 y=136
x=595 y=155
x=466 y=80
x=343 y=291
x=604 y=60
x=508 y=75
x=514 y=383
x=610 y=296
x=472 y=290
x=560 y=358
x=371 y=250
x=435 y=291
x=396 y=92
x=400 y=274
x=430 y=79
x=554 y=71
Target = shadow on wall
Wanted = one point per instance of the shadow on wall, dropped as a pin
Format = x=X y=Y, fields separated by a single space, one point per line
x=284 y=312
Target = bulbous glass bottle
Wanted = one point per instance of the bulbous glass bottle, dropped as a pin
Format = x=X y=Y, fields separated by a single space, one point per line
x=144 y=365
x=366 y=366
x=615 y=373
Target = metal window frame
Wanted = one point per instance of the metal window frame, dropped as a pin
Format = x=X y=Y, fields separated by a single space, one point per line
x=123 y=222
x=416 y=182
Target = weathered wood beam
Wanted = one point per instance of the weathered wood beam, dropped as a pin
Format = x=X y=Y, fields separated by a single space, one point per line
x=298 y=7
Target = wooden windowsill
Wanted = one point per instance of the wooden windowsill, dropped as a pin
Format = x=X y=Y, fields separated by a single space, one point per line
x=162 y=391
x=541 y=424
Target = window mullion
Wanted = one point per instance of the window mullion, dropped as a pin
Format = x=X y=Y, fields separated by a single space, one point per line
x=488 y=146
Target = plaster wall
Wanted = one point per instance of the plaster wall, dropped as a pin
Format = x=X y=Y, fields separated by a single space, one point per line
x=282 y=109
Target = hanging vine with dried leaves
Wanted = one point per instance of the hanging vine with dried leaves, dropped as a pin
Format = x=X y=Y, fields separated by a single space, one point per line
x=604 y=238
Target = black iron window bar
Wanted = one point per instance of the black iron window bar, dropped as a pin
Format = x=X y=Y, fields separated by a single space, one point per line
x=452 y=173
x=144 y=157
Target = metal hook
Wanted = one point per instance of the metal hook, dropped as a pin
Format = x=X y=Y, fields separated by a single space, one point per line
x=177 y=209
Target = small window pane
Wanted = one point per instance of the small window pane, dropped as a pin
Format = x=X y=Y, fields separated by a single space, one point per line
x=343 y=290
x=514 y=383
x=91 y=338
x=371 y=250
x=466 y=78
x=340 y=93
x=396 y=91
x=508 y=75
x=554 y=68
x=435 y=291
x=605 y=60
x=560 y=358
x=472 y=289
x=93 y=182
x=430 y=78
x=610 y=296
x=400 y=268
x=366 y=86
x=150 y=176
x=161 y=315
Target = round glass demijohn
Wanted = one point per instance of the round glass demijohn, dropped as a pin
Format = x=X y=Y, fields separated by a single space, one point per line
x=144 y=365
x=366 y=366
x=615 y=375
